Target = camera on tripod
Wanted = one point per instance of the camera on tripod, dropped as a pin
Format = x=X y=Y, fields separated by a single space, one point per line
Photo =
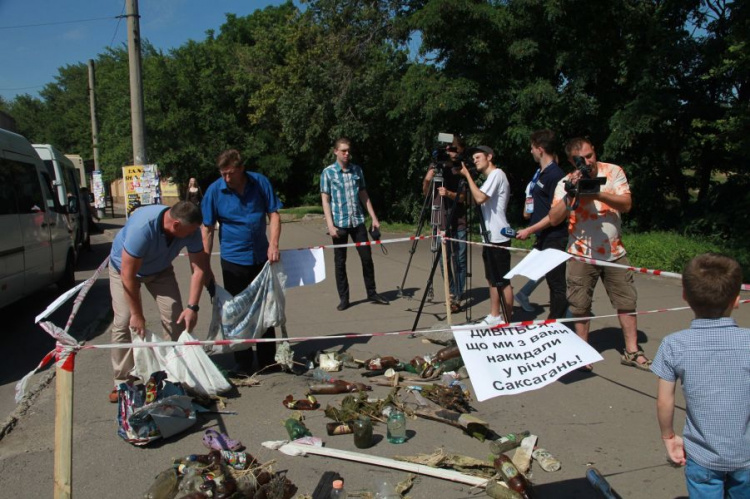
x=442 y=161
x=586 y=185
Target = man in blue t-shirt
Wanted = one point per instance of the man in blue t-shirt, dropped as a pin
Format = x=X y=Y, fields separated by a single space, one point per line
x=547 y=235
x=239 y=202
x=142 y=253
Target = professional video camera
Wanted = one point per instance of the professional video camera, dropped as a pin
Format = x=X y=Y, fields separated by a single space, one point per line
x=442 y=161
x=586 y=185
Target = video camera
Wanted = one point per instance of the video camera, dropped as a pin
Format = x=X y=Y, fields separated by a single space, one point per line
x=586 y=185
x=442 y=161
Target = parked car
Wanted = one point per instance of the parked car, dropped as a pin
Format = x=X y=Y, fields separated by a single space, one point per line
x=36 y=247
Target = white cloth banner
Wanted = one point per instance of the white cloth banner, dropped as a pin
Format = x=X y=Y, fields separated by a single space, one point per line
x=303 y=267
x=537 y=263
x=519 y=359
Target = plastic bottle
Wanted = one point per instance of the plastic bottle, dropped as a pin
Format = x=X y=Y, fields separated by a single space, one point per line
x=164 y=486
x=396 y=427
x=514 y=478
x=547 y=461
x=338 y=491
x=600 y=483
x=319 y=374
x=384 y=490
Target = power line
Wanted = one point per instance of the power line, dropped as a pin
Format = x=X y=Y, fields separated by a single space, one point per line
x=119 y=19
x=20 y=26
x=19 y=88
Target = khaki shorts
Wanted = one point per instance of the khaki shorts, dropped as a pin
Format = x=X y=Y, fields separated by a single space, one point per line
x=582 y=279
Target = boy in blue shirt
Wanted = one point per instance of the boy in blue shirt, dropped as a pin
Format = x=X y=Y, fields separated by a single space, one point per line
x=712 y=360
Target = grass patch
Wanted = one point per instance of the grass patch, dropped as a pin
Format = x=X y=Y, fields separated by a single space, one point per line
x=665 y=250
x=301 y=211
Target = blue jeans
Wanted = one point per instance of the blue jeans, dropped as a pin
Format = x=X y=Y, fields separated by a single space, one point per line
x=708 y=484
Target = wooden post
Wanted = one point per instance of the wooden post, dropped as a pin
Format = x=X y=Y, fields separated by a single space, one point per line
x=64 y=423
x=446 y=283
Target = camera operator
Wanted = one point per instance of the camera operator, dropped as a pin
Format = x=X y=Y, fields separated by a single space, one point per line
x=594 y=232
x=547 y=235
x=493 y=199
x=445 y=198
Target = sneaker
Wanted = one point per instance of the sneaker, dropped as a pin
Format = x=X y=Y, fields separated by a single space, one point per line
x=491 y=320
x=376 y=298
x=343 y=305
x=524 y=301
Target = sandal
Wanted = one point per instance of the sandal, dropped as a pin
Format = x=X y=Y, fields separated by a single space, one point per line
x=455 y=307
x=631 y=359
x=218 y=441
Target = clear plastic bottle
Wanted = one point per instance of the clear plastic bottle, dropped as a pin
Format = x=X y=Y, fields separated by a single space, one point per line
x=338 y=491
x=396 y=427
x=384 y=490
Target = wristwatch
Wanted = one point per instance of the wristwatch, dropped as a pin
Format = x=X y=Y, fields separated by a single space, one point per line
x=194 y=308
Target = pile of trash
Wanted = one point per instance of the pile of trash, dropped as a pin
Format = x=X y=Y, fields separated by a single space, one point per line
x=227 y=471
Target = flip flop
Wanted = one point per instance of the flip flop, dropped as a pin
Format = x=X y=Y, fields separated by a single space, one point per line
x=218 y=441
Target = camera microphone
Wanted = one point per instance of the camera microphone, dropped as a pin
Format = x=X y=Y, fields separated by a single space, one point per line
x=508 y=232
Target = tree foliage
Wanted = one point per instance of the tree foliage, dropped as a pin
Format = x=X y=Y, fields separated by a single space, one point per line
x=660 y=86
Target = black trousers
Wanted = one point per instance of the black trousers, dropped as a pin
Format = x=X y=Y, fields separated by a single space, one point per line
x=558 y=301
x=358 y=235
x=236 y=279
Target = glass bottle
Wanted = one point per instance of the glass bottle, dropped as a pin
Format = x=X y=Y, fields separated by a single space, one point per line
x=396 y=427
x=362 y=432
x=515 y=479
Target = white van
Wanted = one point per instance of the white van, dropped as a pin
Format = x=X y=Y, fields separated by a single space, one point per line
x=36 y=247
x=67 y=183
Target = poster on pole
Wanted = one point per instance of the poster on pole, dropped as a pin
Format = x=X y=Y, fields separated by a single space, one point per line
x=141 y=186
x=100 y=202
x=507 y=361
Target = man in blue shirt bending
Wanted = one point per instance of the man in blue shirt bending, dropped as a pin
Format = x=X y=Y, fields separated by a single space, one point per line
x=240 y=201
x=343 y=192
x=142 y=253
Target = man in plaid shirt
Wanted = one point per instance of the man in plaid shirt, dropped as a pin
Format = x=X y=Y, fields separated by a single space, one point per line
x=343 y=191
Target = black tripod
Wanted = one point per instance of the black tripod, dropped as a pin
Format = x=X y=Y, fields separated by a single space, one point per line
x=436 y=211
x=462 y=188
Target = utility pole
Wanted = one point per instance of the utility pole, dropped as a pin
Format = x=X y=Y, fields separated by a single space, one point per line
x=136 y=84
x=94 y=126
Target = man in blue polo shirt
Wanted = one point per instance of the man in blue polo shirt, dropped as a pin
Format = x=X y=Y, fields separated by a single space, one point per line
x=343 y=191
x=142 y=253
x=240 y=201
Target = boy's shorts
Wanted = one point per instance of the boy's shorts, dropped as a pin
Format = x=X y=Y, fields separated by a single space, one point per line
x=582 y=279
x=496 y=264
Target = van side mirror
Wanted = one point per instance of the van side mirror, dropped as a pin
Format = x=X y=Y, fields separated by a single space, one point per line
x=73 y=206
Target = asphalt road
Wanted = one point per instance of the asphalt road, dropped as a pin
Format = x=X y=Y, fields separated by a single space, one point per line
x=606 y=419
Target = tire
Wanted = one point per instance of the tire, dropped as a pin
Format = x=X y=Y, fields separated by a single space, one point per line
x=68 y=278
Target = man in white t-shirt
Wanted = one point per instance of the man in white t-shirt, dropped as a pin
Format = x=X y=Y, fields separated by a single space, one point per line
x=493 y=199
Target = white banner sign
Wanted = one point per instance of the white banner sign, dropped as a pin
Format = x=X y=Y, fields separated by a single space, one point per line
x=518 y=359
x=303 y=267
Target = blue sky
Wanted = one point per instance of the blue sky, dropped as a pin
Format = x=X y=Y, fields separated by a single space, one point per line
x=31 y=55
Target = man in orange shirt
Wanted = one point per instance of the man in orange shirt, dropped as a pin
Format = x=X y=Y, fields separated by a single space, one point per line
x=594 y=232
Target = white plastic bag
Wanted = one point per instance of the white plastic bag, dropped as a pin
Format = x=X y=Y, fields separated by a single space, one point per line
x=187 y=364
x=249 y=314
